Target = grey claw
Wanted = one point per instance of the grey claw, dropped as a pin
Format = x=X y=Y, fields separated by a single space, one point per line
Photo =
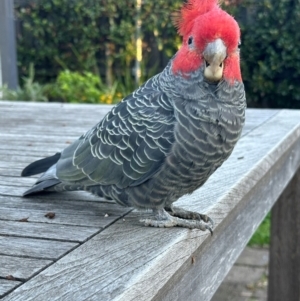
x=211 y=221
x=210 y=230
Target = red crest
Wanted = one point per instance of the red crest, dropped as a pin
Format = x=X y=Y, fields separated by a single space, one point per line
x=190 y=11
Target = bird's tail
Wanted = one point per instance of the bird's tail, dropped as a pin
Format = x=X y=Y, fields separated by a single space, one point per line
x=48 y=179
x=40 y=166
x=41 y=186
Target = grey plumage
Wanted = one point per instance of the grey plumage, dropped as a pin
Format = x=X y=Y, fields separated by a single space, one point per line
x=162 y=141
x=156 y=145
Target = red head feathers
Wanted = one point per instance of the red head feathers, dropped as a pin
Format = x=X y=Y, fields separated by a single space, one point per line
x=192 y=10
x=204 y=21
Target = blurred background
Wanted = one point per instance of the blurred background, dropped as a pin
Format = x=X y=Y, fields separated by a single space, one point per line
x=98 y=51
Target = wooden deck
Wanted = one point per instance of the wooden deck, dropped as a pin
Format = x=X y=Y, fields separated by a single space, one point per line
x=97 y=250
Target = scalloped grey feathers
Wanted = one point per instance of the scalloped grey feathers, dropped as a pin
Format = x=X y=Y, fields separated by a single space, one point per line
x=162 y=141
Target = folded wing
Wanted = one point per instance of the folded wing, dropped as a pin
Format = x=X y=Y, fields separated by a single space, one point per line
x=127 y=147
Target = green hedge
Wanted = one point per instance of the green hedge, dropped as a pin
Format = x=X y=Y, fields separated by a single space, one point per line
x=92 y=35
x=98 y=36
x=270 y=52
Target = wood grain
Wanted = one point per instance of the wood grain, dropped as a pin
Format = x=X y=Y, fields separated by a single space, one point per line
x=284 y=266
x=48 y=231
x=67 y=212
x=127 y=261
x=21 y=268
x=17 y=181
x=7 y=285
x=26 y=136
x=114 y=257
x=34 y=248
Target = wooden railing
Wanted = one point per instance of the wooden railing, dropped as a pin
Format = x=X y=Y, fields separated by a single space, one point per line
x=96 y=250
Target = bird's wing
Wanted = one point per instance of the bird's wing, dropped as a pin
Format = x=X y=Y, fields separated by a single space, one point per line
x=127 y=147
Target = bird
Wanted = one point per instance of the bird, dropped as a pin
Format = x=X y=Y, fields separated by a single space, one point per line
x=165 y=139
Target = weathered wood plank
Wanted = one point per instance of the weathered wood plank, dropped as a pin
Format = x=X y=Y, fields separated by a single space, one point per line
x=72 y=195
x=17 y=181
x=52 y=112
x=34 y=248
x=39 y=153
x=27 y=128
x=7 y=285
x=10 y=172
x=35 y=149
x=127 y=261
x=77 y=213
x=101 y=220
x=284 y=264
x=49 y=107
x=71 y=116
x=45 y=135
x=42 y=139
x=20 y=121
x=21 y=268
x=47 y=231
x=12 y=190
x=17 y=166
x=80 y=196
x=60 y=201
x=38 y=140
x=15 y=159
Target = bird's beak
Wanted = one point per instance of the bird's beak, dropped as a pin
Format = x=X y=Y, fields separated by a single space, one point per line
x=214 y=56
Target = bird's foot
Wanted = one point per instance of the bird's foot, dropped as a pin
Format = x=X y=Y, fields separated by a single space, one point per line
x=163 y=219
x=185 y=214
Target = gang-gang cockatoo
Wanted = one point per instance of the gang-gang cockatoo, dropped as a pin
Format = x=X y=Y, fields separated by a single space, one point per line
x=168 y=137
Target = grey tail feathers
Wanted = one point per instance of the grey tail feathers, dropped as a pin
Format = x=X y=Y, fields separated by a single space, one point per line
x=40 y=166
x=45 y=181
x=41 y=186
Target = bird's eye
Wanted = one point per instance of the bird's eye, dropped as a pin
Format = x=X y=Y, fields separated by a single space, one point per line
x=239 y=45
x=190 y=40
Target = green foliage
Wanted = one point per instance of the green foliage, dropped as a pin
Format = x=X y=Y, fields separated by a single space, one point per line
x=53 y=32
x=87 y=87
x=270 y=52
x=262 y=235
x=31 y=90
x=97 y=36
x=68 y=87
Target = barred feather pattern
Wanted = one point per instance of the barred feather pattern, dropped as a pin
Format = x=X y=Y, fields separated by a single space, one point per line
x=161 y=142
